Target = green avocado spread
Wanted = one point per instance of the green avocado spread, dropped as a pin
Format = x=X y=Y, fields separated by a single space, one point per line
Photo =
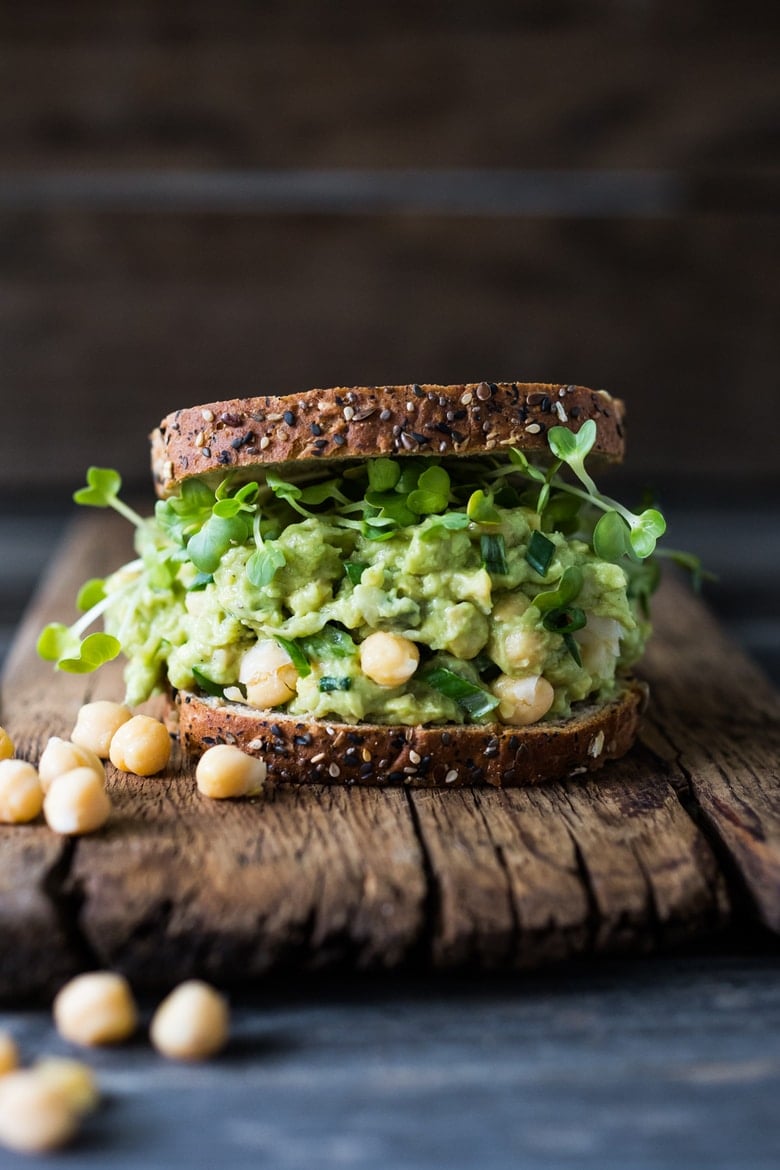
x=486 y=572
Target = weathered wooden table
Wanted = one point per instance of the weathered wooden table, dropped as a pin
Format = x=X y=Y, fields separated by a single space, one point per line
x=676 y=843
x=429 y=977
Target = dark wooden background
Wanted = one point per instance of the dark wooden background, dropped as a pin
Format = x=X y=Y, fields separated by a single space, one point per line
x=200 y=200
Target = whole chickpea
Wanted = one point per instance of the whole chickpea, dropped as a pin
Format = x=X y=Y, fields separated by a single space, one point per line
x=225 y=771
x=60 y=756
x=77 y=803
x=388 y=659
x=35 y=1115
x=21 y=795
x=523 y=700
x=96 y=1008
x=269 y=675
x=142 y=746
x=192 y=1023
x=96 y=724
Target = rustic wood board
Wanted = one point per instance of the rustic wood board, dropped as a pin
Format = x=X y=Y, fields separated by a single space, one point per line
x=674 y=843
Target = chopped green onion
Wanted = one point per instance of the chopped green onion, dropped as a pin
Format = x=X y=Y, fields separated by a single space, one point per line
x=564 y=620
x=330 y=642
x=571 y=645
x=297 y=656
x=540 y=553
x=354 y=571
x=329 y=683
x=209 y=686
x=493 y=549
x=474 y=700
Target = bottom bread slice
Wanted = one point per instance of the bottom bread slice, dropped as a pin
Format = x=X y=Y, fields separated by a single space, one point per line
x=311 y=751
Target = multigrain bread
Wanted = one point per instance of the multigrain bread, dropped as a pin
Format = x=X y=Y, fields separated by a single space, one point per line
x=304 y=751
x=361 y=422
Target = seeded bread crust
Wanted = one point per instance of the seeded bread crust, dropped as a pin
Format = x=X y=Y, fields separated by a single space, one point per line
x=301 y=752
x=369 y=421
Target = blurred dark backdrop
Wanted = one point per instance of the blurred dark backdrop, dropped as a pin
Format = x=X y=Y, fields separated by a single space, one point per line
x=201 y=200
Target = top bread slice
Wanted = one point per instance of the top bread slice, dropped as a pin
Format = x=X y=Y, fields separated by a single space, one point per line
x=363 y=422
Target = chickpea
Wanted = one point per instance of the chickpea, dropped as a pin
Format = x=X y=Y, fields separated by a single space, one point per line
x=523 y=700
x=73 y=1078
x=388 y=659
x=142 y=746
x=510 y=606
x=60 y=756
x=96 y=1008
x=224 y=771
x=268 y=674
x=9 y=1054
x=6 y=745
x=96 y=724
x=34 y=1114
x=77 y=803
x=522 y=647
x=21 y=795
x=192 y=1023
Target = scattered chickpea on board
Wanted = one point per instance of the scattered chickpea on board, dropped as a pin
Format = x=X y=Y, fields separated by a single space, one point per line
x=41 y=1107
x=142 y=745
x=21 y=795
x=97 y=723
x=192 y=1023
x=224 y=771
x=61 y=756
x=96 y=1008
x=77 y=803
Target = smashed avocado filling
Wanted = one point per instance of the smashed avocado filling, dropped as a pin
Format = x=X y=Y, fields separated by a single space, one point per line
x=398 y=591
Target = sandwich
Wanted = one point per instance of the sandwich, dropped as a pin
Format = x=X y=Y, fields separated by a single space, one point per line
x=414 y=584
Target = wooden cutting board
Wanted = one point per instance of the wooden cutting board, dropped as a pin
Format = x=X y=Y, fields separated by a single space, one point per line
x=674 y=843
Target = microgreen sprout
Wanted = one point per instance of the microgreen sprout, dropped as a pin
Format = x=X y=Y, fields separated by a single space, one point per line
x=481 y=509
x=642 y=530
x=432 y=493
x=265 y=560
x=64 y=645
x=102 y=491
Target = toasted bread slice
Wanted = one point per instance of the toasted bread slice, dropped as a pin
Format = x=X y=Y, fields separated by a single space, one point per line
x=364 y=422
x=309 y=751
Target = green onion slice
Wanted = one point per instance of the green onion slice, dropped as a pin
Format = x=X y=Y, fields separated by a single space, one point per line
x=573 y=648
x=493 y=550
x=329 y=683
x=209 y=686
x=474 y=700
x=297 y=656
x=330 y=642
x=540 y=553
x=564 y=620
x=354 y=571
